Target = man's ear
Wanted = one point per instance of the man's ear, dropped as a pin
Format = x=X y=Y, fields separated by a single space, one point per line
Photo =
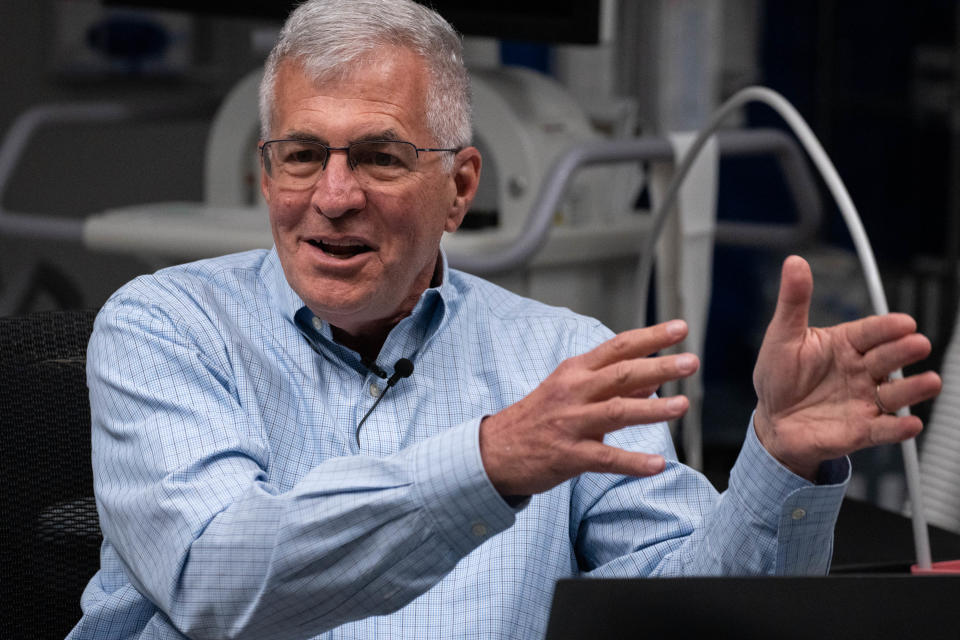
x=466 y=178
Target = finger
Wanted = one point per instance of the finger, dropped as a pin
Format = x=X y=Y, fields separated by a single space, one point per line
x=599 y=418
x=867 y=333
x=602 y=458
x=909 y=391
x=793 y=300
x=878 y=430
x=636 y=343
x=890 y=429
x=890 y=356
x=626 y=377
x=643 y=392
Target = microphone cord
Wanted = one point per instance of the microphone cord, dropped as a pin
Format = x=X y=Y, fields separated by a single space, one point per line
x=401 y=369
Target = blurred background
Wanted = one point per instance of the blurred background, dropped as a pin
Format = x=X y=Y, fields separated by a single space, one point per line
x=115 y=133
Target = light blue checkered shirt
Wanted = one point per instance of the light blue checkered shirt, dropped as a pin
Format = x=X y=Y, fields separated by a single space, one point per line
x=235 y=501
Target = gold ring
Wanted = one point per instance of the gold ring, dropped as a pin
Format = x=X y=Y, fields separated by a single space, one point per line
x=876 y=400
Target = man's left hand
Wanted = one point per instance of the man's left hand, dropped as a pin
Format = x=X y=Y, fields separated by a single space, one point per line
x=817 y=389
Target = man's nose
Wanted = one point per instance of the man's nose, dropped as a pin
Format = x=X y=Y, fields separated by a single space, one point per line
x=338 y=191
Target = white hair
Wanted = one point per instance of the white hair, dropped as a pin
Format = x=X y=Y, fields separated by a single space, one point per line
x=327 y=38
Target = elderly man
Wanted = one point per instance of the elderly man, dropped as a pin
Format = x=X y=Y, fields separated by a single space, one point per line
x=267 y=466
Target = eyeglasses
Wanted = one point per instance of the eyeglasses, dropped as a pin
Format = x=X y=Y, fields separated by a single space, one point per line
x=297 y=164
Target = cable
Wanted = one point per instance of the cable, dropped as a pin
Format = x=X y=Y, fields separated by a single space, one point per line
x=862 y=244
x=401 y=369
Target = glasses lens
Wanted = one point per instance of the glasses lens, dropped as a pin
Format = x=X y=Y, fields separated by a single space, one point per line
x=383 y=161
x=294 y=162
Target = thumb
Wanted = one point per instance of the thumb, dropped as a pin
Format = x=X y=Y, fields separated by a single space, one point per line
x=793 y=302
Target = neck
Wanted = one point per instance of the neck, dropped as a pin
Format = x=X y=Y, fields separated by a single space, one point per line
x=367 y=344
x=368 y=339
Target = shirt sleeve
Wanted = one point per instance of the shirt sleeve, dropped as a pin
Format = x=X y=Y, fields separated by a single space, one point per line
x=769 y=521
x=182 y=477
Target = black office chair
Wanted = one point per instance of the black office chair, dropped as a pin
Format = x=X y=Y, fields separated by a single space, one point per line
x=49 y=532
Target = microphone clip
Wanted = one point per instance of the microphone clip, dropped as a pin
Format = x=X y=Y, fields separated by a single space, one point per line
x=373 y=367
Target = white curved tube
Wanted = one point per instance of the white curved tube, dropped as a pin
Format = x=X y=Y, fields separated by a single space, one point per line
x=862 y=244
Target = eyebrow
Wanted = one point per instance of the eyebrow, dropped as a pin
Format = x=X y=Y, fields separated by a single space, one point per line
x=386 y=134
x=301 y=135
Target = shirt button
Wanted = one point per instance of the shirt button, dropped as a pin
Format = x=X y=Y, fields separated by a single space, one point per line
x=374 y=390
x=798 y=513
x=479 y=529
x=317 y=323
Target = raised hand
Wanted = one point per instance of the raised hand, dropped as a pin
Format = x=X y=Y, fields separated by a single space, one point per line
x=820 y=391
x=556 y=432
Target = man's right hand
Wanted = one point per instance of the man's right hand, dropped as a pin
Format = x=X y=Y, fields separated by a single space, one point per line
x=556 y=432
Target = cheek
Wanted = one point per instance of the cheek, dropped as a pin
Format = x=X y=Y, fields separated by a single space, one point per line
x=287 y=208
x=414 y=224
x=424 y=213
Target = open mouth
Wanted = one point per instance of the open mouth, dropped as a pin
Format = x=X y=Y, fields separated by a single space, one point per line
x=342 y=249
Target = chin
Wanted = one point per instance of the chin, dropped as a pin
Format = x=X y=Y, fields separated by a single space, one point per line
x=342 y=310
x=328 y=307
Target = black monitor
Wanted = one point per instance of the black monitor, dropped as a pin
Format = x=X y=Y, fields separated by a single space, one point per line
x=873 y=607
x=537 y=20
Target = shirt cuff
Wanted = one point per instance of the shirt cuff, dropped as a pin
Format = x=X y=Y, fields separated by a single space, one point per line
x=454 y=488
x=803 y=514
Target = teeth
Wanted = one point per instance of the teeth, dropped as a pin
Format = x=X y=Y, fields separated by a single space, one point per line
x=340 y=248
x=337 y=243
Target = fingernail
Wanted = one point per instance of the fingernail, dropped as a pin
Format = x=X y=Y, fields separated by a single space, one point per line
x=676 y=328
x=686 y=362
x=675 y=404
x=656 y=464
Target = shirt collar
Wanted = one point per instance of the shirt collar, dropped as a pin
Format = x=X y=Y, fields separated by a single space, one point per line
x=283 y=296
x=431 y=311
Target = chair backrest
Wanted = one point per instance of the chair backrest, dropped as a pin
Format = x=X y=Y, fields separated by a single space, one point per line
x=49 y=532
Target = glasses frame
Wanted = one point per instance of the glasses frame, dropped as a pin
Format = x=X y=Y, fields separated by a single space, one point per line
x=323 y=167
